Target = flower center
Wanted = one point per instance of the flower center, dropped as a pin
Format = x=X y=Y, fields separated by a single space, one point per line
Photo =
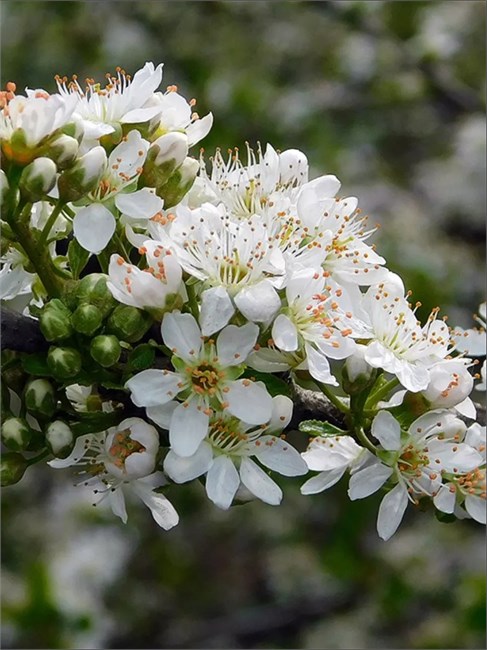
x=225 y=435
x=473 y=483
x=122 y=447
x=412 y=460
x=205 y=378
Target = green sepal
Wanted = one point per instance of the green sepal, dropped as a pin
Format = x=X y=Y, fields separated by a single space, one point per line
x=319 y=428
x=141 y=357
x=78 y=258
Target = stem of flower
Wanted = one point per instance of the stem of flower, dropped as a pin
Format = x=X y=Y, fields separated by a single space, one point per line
x=50 y=223
x=38 y=254
x=381 y=392
x=334 y=399
x=362 y=436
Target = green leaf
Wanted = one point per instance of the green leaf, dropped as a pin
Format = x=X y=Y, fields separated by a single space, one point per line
x=36 y=364
x=275 y=385
x=142 y=357
x=78 y=258
x=318 y=428
x=445 y=518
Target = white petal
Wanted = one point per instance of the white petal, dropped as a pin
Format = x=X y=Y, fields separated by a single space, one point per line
x=467 y=408
x=387 y=430
x=259 y=483
x=475 y=506
x=391 y=511
x=463 y=459
x=445 y=499
x=234 y=344
x=222 y=482
x=279 y=455
x=198 y=129
x=162 y=414
x=188 y=428
x=142 y=204
x=285 y=334
x=249 y=401
x=182 y=335
x=117 y=504
x=153 y=387
x=138 y=115
x=282 y=412
x=259 y=303
x=319 y=368
x=80 y=448
x=216 y=310
x=368 y=480
x=323 y=481
x=93 y=227
x=181 y=469
x=161 y=508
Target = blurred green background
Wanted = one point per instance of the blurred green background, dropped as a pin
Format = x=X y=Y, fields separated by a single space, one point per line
x=389 y=96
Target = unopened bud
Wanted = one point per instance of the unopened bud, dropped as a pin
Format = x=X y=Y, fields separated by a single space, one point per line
x=55 y=321
x=40 y=397
x=37 y=179
x=87 y=319
x=64 y=362
x=129 y=323
x=59 y=439
x=180 y=183
x=83 y=176
x=12 y=468
x=93 y=290
x=165 y=155
x=357 y=374
x=4 y=187
x=63 y=151
x=105 y=350
x=16 y=433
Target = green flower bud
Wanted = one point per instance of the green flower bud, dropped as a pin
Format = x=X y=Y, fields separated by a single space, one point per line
x=14 y=377
x=12 y=468
x=4 y=187
x=179 y=184
x=129 y=323
x=40 y=397
x=16 y=433
x=357 y=373
x=105 y=350
x=37 y=179
x=87 y=319
x=64 y=362
x=165 y=155
x=62 y=151
x=55 y=321
x=93 y=290
x=83 y=177
x=60 y=439
x=110 y=140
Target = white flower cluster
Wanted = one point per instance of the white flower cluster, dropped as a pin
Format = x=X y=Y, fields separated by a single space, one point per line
x=253 y=271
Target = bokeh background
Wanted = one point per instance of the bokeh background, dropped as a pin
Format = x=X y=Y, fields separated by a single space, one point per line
x=389 y=96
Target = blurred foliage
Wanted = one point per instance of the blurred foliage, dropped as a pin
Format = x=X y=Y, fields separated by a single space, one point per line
x=389 y=97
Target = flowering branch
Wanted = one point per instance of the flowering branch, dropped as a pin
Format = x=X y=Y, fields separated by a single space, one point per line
x=222 y=293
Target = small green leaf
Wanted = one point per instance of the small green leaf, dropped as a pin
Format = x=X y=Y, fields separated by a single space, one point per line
x=142 y=357
x=78 y=258
x=36 y=364
x=318 y=428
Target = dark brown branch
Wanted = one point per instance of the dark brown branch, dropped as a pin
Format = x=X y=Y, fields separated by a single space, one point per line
x=21 y=333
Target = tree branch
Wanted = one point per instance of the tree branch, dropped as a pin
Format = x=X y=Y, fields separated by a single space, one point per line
x=23 y=334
